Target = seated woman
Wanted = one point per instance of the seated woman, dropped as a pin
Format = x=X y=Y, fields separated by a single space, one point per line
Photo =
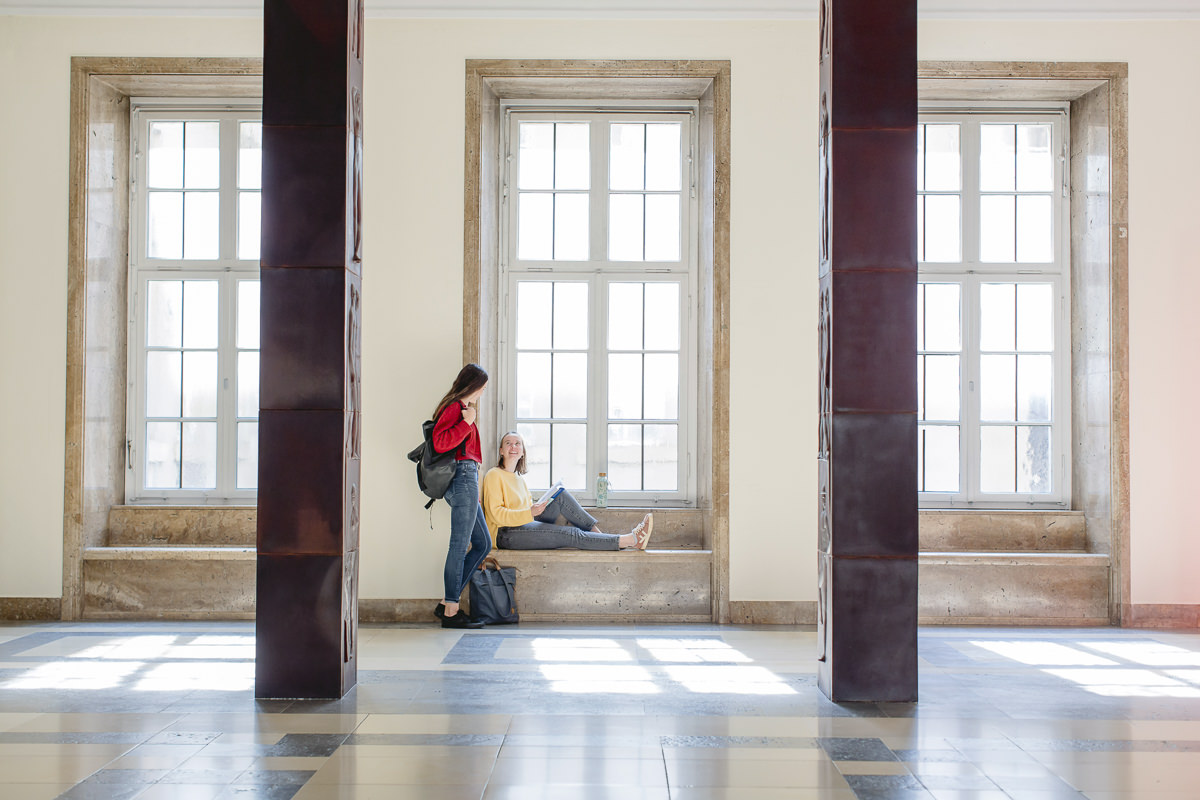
x=518 y=524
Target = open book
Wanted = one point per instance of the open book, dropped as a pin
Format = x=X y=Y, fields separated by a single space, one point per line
x=551 y=493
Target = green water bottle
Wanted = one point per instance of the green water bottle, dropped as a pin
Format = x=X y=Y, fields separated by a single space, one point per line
x=602 y=490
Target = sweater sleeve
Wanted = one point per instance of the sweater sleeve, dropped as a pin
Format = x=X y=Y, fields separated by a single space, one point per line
x=500 y=503
x=451 y=429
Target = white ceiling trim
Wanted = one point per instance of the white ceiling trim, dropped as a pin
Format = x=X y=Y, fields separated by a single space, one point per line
x=625 y=9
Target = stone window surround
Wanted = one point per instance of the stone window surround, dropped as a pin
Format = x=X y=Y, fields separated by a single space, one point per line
x=100 y=88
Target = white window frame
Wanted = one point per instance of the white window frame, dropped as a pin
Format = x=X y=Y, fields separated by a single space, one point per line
x=971 y=273
x=598 y=272
x=227 y=270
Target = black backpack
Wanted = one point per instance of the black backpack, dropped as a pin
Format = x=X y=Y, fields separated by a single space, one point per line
x=434 y=470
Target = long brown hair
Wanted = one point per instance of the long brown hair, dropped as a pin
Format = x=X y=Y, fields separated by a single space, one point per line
x=470 y=379
x=521 y=469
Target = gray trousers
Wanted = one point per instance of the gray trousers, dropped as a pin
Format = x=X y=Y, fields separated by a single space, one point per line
x=544 y=533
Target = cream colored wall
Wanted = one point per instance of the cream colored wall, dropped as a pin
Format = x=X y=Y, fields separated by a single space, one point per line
x=416 y=139
x=413 y=269
x=35 y=101
x=1164 y=267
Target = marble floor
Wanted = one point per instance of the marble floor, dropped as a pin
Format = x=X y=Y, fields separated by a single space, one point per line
x=166 y=710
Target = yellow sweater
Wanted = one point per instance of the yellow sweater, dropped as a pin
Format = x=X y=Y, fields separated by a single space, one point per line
x=506 y=500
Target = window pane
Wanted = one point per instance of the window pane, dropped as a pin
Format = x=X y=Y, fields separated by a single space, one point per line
x=942 y=304
x=199 y=455
x=1035 y=162
x=535 y=226
x=1035 y=316
x=1035 y=379
x=572 y=156
x=938 y=446
x=570 y=227
x=247 y=314
x=943 y=242
x=249 y=225
x=202 y=155
x=920 y=161
x=625 y=458
x=570 y=386
x=164 y=225
x=1035 y=229
x=162 y=455
x=625 y=316
x=537 y=454
x=164 y=383
x=920 y=385
x=624 y=386
x=247 y=386
x=662 y=156
x=997 y=388
x=250 y=155
x=662 y=458
x=997 y=324
x=997 y=157
x=201 y=225
x=569 y=457
x=941 y=388
x=200 y=319
x=200 y=384
x=533 y=314
x=247 y=455
x=662 y=227
x=625 y=227
x=1033 y=459
x=164 y=313
x=535 y=158
x=997 y=459
x=570 y=316
x=662 y=386
x=533 y=385
x=997 y=226
x=662 y=316
x=942 y=170
x=627 y=166
x=920 y=228
x=164 y=157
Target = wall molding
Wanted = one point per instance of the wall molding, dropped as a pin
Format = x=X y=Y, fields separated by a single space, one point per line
x=34 y=609
x=773 y=612
x=1161 y=615
x=625 y=9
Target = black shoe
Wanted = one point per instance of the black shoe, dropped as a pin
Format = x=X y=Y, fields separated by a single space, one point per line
x=460 y=620
x=439 y=611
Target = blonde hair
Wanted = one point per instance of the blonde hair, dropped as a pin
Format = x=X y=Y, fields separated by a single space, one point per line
x=521 y=469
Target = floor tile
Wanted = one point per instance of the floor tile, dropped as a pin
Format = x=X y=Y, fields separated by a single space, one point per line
x=766 y=774
x=871 y=767
x=561 y=771
x=33 y=791
x=442 y=715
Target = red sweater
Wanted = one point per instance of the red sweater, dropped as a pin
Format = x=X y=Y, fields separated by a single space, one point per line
x=451 y=430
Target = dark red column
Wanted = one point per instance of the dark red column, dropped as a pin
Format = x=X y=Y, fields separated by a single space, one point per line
x=309 y=440
x=867 y=552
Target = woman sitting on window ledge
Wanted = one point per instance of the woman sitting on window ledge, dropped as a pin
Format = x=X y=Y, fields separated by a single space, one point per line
x=519 y=524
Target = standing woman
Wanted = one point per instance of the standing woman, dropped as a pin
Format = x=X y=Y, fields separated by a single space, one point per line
x=454 y=429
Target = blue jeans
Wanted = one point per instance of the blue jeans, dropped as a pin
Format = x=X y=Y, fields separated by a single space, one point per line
x=544 y=534
x=470 y=541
